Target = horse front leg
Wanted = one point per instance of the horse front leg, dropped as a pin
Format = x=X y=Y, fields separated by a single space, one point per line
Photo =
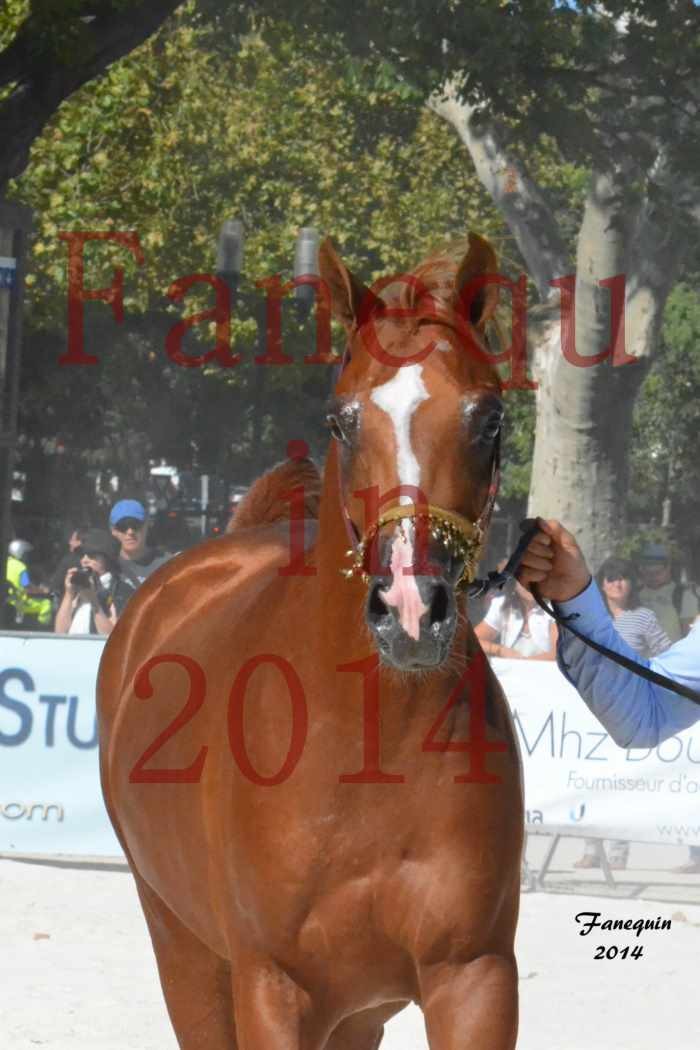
x=472 y=1006
x=272 y=1011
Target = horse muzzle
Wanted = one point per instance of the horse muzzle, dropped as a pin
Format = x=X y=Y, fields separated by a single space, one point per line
x=412 y=619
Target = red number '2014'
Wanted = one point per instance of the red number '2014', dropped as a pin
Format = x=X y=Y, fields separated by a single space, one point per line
x=371 y=773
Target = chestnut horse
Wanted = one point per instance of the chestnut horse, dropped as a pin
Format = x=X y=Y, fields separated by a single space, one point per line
x=290 y=758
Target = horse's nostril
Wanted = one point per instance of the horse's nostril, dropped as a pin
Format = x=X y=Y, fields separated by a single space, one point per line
x=377 y=606
x=438 y=604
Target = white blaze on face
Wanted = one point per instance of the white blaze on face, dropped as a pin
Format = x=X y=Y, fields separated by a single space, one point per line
x=399 y=398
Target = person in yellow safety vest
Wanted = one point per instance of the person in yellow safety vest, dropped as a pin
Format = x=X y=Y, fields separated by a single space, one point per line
x=26 y=599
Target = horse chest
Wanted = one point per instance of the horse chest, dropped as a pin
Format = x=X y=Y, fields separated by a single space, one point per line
x=333 y=882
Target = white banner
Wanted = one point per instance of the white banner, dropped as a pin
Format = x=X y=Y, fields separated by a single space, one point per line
x=51 y=803
x=575 y=773
x=50 y=798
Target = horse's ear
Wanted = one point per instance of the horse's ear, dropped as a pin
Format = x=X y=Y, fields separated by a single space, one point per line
x=348 y=295
x=479 y=261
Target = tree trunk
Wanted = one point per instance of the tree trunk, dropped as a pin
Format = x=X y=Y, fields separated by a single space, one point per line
x=579 y=470
x=584 y=413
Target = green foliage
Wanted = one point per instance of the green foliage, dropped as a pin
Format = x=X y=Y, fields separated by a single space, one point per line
x=12 y=14
x=664 y=457
x=638 y=536
x=593 y=77
x=174 y=138
x=665 y=469
x=231 y=111
x=170 y=141
x=519 y=437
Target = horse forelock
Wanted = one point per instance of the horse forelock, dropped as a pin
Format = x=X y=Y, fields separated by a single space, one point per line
x=426 y=293
x=431 y=284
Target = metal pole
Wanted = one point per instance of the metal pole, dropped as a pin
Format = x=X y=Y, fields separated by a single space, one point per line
x=15 y=224
x=204 y=503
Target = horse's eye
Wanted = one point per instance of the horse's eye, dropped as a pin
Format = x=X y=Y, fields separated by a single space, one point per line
x=335 y=428
x=492 y=425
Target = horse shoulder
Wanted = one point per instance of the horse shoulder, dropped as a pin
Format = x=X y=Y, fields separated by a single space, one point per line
x=203 y=593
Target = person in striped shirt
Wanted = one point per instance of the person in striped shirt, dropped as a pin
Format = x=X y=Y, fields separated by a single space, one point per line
x=636 y=624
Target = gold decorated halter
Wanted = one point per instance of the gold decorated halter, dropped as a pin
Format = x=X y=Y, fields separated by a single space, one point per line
x=463 y=539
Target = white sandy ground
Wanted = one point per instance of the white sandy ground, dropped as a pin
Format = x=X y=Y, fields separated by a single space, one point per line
x=92 y=983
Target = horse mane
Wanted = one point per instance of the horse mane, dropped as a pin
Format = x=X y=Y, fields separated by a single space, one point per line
x=264 y=503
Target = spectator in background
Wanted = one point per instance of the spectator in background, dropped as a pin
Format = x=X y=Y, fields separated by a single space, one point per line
x=516 y=628
x=94 y=593
x=129 y=526
x=674 y=604
x=641 y=630
x=68 y=561
x=637 y=624
x=28 y=605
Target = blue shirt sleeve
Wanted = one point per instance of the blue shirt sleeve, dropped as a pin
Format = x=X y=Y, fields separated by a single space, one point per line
x=635 y=712
x=24 y=578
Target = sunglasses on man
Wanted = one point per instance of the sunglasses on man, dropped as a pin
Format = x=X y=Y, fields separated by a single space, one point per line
x=615 y=577
x=129 y=523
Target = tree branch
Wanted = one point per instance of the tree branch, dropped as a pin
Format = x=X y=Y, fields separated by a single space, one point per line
x=42 y=84
x=514 y=193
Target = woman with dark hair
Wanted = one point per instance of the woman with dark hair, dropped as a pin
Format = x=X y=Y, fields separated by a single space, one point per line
x=639 y=627
x=634 y=623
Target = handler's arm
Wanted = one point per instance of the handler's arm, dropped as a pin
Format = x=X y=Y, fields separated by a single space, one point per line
x=635 y=712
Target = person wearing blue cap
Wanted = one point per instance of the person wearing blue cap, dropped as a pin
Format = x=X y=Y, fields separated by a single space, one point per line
x=129 y=525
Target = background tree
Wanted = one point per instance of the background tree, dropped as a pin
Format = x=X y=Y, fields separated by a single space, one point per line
x=281 y=139
x=665 y=492
x=614 y=88
x=48 y=49
x=327 y=125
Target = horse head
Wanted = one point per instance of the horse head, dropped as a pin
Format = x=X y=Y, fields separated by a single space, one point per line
x=415 y=417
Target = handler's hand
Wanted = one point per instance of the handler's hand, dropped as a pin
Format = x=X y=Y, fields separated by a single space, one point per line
x=553 y=560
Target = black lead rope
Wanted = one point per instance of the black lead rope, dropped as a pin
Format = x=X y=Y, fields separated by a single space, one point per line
x=497 y=580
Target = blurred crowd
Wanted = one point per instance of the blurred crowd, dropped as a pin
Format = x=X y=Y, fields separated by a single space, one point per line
x=88 y=589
